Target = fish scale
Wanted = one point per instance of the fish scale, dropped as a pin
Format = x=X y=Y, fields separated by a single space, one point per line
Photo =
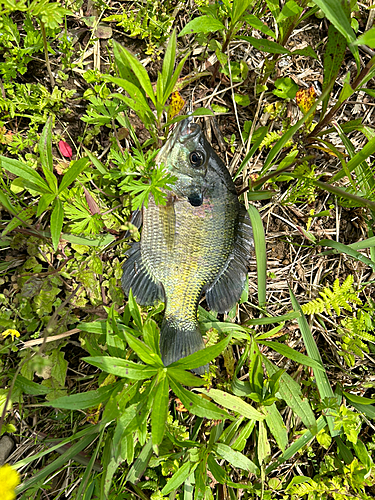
x=199 y=242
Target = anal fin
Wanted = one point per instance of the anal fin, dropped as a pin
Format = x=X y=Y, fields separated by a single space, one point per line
x=225 y=291
x=136 y=277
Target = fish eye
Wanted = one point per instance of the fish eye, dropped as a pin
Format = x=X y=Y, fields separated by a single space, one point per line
x=195 y=199
x=196 y=159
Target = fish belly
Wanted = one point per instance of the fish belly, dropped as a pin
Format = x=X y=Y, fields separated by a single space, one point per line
x=186 y=248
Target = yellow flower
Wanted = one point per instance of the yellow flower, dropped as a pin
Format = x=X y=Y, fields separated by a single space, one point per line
x=13 y=334
x=9 y=479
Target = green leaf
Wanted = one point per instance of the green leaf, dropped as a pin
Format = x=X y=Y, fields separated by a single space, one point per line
x=290 y=392
x=259 y=25
x=233 y=403
x=353 y=398
x=6 y=203
x=33 y=179
x=169 y=59
x=171 y=83
x=241 y=440
x=261 y=134
x=97 y=163
x=184 y=377
x=143 y=351
x=29 y=387
x=134 y=310
x=368 y=38
x=289 y=134
x=365 y=152
x=368 y=410
x=178 y=477
x=138 y=101
x=242 y=100
x=102 y=240
x=217 y=471
x=201 y=358
x=44 y=201
x=300 y=443
x=338 y=12
x=290 y=10
x=260 y=253
x=334 y=11
x=45 y=146
x=61 y=461
x=139 y=71
x=341 y=248
x=73 y=172
x=238 y=8
x=273 y=319
x=359 y=245
x=235 y=458
x=122 y=367
x=57 y=219
x=83 y=400
x=202 y=24
x=306 y=52
x=159 y=412
x=198 y=405
x=264 y=448
x=265 y=45
x=290 y=353
x=274 y=6
x=333 y=59
x=276 y=425
x=140 y=465
x=285 y=88
x=151 y=334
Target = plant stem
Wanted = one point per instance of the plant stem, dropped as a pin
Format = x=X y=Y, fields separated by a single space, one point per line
x=43 y=29
x=328 y=117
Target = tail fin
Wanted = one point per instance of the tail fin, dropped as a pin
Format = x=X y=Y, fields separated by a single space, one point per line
x=178 y=341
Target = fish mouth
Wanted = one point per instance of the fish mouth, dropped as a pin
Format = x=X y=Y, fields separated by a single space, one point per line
x=184 y=131
x=187 y=129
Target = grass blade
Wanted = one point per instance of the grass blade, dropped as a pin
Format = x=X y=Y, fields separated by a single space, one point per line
x=341 y=248
x=290 y=353
x=260 y=252
x=56 y=464
x=296 y=446
x=324 y=387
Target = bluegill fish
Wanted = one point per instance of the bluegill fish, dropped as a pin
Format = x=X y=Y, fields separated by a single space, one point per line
x=198 y=243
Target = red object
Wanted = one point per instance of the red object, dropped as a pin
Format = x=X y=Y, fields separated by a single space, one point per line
x=65 y=149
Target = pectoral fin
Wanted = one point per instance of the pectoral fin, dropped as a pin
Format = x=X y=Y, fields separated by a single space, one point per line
x=135 y=276
x=227 y=288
